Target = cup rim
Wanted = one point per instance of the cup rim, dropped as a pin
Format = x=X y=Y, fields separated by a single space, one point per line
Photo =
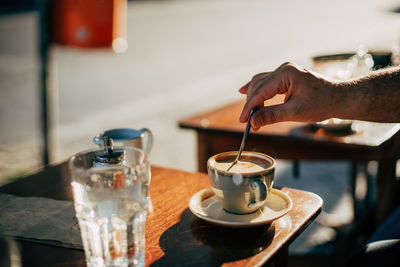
x=248 y=153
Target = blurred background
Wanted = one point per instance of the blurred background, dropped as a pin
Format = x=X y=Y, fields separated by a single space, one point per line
x=182 y=57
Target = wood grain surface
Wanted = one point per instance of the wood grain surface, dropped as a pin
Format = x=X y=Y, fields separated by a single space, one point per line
x=174 y=236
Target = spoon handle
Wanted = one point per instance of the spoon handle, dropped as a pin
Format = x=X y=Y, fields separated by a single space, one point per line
x=246 y=132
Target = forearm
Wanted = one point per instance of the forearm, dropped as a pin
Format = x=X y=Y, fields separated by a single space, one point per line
x=375 y=97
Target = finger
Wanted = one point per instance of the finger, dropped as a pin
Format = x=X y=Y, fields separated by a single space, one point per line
x=267 y=90
x=251 y=103
x=255 y=94
x=255 y=82
x=244 y=88
x=269 y=115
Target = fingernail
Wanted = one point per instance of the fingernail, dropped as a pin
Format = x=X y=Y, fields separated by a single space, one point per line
x=241 y=118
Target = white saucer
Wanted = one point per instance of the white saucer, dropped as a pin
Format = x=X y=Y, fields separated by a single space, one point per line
x=205 y=206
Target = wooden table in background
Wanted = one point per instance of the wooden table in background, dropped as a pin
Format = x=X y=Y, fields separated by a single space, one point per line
x=219 y=130
x=174 y=236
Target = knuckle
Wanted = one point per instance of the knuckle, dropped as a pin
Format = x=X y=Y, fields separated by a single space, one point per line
x=286 y=63
x=288 y=67
x=255 y=78
x=259 y=76
x=290 y=70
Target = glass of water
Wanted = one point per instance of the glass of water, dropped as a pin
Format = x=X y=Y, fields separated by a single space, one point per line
x=110 y=189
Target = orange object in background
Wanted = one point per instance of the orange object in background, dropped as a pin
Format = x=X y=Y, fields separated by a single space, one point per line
x=89 y=23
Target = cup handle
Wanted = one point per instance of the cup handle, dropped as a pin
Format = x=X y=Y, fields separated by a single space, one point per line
x=149 y=145
x=260 y=190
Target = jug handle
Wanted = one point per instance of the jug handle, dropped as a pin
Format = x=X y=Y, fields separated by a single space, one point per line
x=149 y=145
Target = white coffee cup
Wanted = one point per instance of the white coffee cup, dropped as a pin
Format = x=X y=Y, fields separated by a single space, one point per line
x=241 y=190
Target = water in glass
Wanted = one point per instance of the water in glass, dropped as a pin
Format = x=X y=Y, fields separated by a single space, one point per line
x=110 y=204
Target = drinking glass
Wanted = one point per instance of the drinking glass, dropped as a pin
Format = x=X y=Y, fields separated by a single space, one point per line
x=110 y=189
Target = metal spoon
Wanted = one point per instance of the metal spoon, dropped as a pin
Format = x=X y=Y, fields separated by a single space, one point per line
x=246 y=132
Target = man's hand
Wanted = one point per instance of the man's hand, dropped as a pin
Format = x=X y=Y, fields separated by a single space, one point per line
x=308 y=97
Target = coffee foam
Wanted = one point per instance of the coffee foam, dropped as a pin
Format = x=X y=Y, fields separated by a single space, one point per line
x=244 y=165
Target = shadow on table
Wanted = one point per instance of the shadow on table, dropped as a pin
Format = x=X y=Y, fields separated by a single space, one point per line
x=198 y=243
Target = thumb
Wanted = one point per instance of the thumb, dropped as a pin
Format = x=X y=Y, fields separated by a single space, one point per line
x=268 y=115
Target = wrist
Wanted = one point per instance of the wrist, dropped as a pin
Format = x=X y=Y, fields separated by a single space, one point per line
x=342 y=100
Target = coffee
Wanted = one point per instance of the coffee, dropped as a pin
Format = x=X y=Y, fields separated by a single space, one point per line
x=244 y=165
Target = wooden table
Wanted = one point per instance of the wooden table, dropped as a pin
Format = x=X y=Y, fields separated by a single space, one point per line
x=174 y=236
x=219 y=130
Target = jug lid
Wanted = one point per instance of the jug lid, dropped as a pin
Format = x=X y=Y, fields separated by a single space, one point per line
x=123 y=133
x=119 y=134
x=109 y=155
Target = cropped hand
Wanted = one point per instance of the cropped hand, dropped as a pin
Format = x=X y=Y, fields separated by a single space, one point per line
x=308 y=96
